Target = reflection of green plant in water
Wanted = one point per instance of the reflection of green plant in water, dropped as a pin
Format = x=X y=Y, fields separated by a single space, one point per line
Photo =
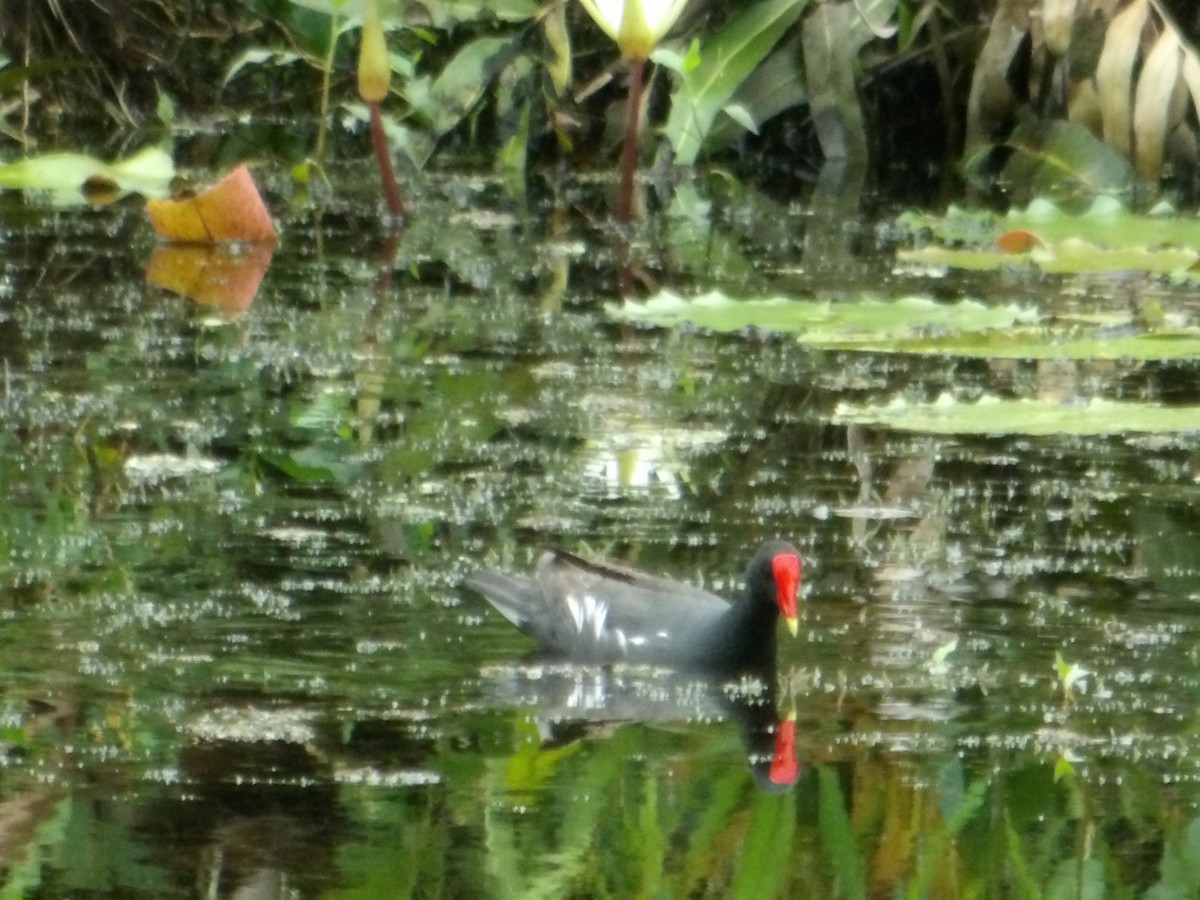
x=1069 y=675
x=1064 y=766
x=47 y=531
x=623 y=827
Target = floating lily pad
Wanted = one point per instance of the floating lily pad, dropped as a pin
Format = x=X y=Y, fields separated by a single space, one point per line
x=923 y=325
x=1060 y=342
x=1107 y=221
x=991 y=415
x=826 y=321
x=1107 y=237
x=1069 y=256
x=68 y=175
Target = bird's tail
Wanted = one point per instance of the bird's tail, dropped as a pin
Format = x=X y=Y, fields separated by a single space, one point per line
x=512 y=595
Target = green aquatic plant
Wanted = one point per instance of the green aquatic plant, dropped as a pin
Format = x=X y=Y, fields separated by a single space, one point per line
x=71 y=178
x=447 y=63
x=745 y=71
x=374 y=79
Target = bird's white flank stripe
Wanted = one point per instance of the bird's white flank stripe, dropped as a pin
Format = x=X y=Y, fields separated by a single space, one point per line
x=595 y=611
x=576 y=611
x=588 y=613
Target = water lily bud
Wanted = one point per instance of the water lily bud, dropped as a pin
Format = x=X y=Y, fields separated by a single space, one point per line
x=374 y=73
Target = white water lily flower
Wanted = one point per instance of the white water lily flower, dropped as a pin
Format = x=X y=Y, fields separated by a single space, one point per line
x=636 y=25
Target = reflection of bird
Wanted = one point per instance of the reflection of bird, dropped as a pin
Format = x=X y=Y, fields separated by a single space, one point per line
x=770 y=751
x=573 y=703
x=598 y=612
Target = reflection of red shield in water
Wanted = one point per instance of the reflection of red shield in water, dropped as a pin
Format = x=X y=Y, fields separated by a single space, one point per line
x=212 y=274
x=783 y=762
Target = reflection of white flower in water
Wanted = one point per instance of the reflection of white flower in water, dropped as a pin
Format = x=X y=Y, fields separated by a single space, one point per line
x=638 y=468
x=636 y=456
x=636 y=25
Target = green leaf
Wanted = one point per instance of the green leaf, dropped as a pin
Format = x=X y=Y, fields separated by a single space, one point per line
x=332 y=7
x=875 y=20
x=464 y=81
x=513 y=154
x=448 y=12
x=1063 y=767
x=742 y=116
x=1069 y=674
x=258 y=56
x=298 y=470
x=768 y=839
x=830 y=41
x=1106 y=221
x=1077 y=879
x=776 y=85
x=726 y=61
x=1070 y=257
x=937 y=662
x=923 y=325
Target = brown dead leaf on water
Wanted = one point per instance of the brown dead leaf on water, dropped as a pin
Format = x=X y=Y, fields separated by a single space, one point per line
x=230 y=210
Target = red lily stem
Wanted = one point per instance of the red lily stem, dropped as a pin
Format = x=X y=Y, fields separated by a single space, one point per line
x=624 y=210
x=387 y=175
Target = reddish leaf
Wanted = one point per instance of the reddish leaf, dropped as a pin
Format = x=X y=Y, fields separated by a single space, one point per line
x=1018 y=240
x=230 y=210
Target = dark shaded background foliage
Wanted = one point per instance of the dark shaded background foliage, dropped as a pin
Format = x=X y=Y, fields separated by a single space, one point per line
x=98 y=65
x=89 y=74
x=95 y=70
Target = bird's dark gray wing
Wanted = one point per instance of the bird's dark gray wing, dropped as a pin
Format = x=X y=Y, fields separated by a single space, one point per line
x=608 y=613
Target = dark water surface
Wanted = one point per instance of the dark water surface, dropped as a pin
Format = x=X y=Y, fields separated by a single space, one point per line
x=238 y=659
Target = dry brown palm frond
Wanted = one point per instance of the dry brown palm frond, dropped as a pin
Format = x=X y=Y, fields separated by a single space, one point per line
x=1145 y=76
x=1123 y=68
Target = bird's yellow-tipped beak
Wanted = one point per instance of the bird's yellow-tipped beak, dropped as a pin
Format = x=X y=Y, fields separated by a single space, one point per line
x=793 y=625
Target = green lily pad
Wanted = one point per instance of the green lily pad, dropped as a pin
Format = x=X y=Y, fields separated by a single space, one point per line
x=1069 y=257
x=1061 y=342
x=925 y=326
x=824 y=321
x=147 y=172
x=1107 y=237
x=992 y=415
